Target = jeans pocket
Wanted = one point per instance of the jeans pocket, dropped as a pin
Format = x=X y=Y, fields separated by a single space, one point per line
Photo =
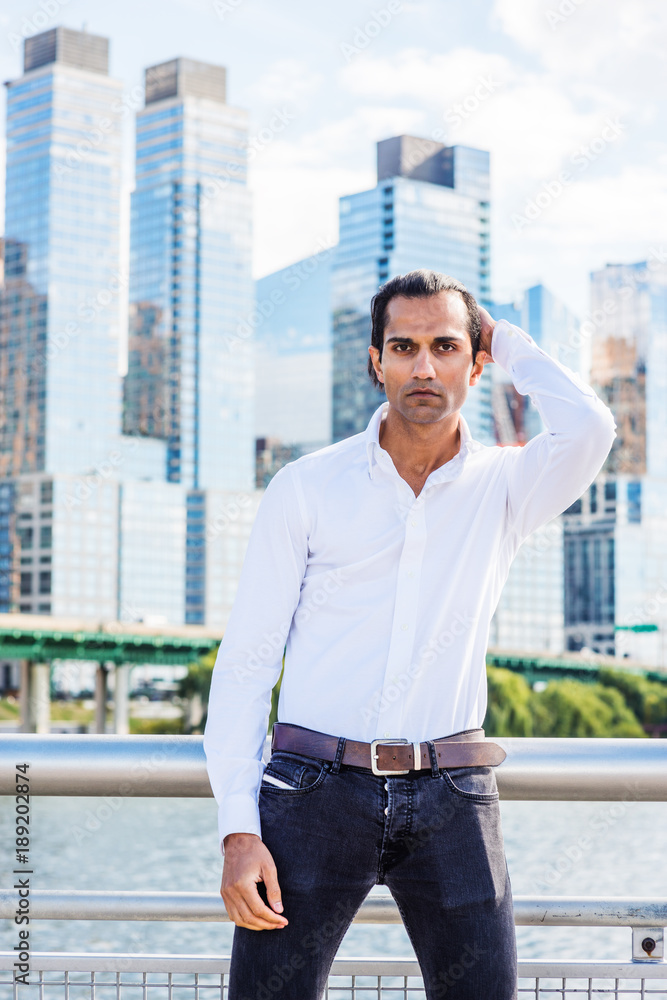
x=476 y=783
x=300 y=773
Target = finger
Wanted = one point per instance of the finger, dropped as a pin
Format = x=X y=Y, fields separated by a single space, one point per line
x=253 y=922
x=260 y=909
x=270 y=876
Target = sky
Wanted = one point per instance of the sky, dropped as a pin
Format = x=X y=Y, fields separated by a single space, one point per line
x=567 y=95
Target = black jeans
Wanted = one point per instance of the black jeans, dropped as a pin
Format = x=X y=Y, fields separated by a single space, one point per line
x=433 y=837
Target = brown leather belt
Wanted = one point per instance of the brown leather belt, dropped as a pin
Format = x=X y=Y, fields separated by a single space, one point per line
x=390 y=756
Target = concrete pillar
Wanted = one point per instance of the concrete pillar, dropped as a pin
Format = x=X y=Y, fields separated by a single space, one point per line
x=24 y=697
x=194 y=712
x=40 y=697
x=121 y=715
x=101 y=698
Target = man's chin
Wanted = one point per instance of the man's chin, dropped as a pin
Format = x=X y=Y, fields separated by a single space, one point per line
x=423 y=410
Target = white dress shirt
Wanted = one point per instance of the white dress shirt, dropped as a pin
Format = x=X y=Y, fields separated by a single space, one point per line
x=384 y=599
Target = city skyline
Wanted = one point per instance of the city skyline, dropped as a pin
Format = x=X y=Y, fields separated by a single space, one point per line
x=190 y=271
x=343 y=81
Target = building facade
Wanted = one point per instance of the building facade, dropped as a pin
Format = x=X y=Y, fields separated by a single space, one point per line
x=190 y=372
x=616 y=535
x=60 y=303
x=94 y=522
x=430 y=209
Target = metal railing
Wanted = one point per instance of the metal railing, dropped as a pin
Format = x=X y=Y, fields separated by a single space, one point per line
x=537 y=769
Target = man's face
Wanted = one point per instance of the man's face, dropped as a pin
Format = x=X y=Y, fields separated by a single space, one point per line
x=427 y=363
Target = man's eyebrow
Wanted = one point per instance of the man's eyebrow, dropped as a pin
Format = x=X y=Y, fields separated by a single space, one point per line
x=436 y=340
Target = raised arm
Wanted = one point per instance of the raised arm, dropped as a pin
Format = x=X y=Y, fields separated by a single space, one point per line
x=553 y=469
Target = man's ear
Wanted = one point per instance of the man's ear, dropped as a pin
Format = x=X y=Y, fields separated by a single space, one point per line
x=476 y=371
x=377 y=365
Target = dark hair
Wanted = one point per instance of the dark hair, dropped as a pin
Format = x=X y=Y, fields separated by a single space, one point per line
x=420 y=284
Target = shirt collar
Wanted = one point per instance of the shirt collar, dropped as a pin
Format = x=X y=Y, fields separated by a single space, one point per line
x=450 y=470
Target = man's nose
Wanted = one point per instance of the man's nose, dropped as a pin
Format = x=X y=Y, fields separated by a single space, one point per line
x=423 y=367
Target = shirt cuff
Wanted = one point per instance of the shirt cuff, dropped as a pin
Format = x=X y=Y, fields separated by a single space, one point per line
x=238 y=814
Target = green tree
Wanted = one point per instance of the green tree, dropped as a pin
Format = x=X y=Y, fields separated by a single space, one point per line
x=572 y=708
x=647 y=699
x=509 y=707
x=198 y=678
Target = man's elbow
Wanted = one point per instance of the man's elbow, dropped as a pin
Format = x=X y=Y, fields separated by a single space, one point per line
x=598 y=429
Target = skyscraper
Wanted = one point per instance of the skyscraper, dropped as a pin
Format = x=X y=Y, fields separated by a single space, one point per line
x=430 y=209
x=190 y=373
x=95 y=523
x=59 y=317
x=616 y=534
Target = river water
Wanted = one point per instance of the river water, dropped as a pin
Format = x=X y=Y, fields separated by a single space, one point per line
x=171 y=844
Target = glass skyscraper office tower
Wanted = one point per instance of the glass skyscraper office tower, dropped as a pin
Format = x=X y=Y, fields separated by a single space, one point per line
x=59 y=324
x=430 y=209
x=190 y=372
x=94 y=523
x=59 y=316
x=615 y=535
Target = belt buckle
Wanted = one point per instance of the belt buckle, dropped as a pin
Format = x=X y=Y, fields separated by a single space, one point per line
x=374 y=768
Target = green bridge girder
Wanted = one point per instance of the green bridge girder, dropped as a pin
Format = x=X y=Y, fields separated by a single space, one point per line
x=535 y=667
x=42 y=638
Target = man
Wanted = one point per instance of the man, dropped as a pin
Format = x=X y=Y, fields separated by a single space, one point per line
x=377 y=564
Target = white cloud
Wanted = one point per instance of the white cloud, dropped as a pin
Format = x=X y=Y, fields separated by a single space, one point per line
x=285 y=81
x=595 y=39
x=594 y=221
x=432 y=78
x=296 y=182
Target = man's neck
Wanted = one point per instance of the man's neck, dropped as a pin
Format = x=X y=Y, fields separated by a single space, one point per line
x=418 y=449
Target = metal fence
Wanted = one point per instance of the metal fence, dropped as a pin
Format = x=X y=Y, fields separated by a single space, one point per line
x=556 y=769
x=172 y=977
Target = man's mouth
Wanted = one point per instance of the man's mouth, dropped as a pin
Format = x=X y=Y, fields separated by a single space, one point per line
x=422 y=392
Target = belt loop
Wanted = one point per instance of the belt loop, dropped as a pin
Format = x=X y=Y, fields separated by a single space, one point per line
x=435 y=770
x=340 y=750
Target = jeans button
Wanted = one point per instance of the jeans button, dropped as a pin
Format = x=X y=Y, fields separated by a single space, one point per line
x=386 y=786
x=386 y=811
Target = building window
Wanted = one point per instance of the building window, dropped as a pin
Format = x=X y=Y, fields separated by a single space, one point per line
x=46 y=491
x=610 y=490
x=44 y=609
x=594 y=498
x=575 y=508
x=634 y=502
x=25 y=537
x=45 y=535
x=45 y=582
x=26 y=583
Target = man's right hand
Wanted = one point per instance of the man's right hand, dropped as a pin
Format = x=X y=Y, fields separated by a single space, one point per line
x=247 y=862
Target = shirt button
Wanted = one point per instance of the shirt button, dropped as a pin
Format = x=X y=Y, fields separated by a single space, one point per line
x=413 y=523
x=411 y=574
x=404 y=628
x=387 y=734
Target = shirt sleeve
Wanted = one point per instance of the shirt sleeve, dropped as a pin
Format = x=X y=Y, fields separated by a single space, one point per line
x=555 y=468
x=250 y=655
